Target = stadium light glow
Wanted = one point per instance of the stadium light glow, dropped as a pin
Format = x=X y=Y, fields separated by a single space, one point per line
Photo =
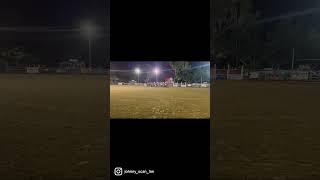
x=137 y=70
x=89 y=29
x=156 y=71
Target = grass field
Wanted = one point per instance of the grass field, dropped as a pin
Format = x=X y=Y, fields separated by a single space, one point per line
x=260 y=130
x=266 y=130
x=53 y=126
x=151 y=102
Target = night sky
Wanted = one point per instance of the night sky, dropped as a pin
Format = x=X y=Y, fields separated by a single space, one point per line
x=52 y=12
x=270 y=8
x=73 y=12
x=53 y=47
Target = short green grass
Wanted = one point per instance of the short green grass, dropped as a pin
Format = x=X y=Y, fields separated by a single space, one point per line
x=158 y=103
x=266 y=130
x=53 y=126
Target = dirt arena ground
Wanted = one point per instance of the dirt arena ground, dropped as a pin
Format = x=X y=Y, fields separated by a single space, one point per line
x=53 y=127
x=151 y=102
x=266 y=130
x=261 y=130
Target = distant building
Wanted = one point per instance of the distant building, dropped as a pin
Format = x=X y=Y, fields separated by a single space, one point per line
x=132 y=82
x=71 y=66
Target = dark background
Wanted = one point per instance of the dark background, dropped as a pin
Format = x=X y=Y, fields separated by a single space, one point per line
x=275 y=8
x=143 y=30
x=173 y=148
x=50 y=48
x=160 y=30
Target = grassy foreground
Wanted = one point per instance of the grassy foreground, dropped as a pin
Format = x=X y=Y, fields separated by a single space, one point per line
x=152 y=102
x=266 y=130
x=53 y=127
x=261 y=130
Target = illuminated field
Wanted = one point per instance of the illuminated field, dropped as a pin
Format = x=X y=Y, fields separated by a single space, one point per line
x=266 y=130
x=152 y=102
x=53 y=127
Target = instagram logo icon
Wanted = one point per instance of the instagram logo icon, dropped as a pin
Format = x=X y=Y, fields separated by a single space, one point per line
x=118 y=171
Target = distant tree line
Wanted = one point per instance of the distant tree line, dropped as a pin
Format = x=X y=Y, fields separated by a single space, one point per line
x=184 y=72
x=15 y=57
x=240 y=37
x=19 y=56
x=11 y=56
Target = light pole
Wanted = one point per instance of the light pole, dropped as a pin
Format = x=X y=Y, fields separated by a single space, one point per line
x=293 y=57
x=156 y=71
x=137 y=70
x=89 y=30
x=89 y=46
x=90 y=56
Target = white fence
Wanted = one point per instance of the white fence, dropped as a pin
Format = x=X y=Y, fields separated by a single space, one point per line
x=265 y=74
x=314 y=76
x=228 y=73
x=197 y=85
x=163 y=84
x=33 y=70
x=44 y=70
x=281 y=75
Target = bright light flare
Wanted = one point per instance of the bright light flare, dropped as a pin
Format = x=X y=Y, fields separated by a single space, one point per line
x=137 y=70
x=156 y=71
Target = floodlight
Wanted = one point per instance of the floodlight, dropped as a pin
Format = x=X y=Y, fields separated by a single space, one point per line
x=156 y=71
x=137 y=70
x=88 y=28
